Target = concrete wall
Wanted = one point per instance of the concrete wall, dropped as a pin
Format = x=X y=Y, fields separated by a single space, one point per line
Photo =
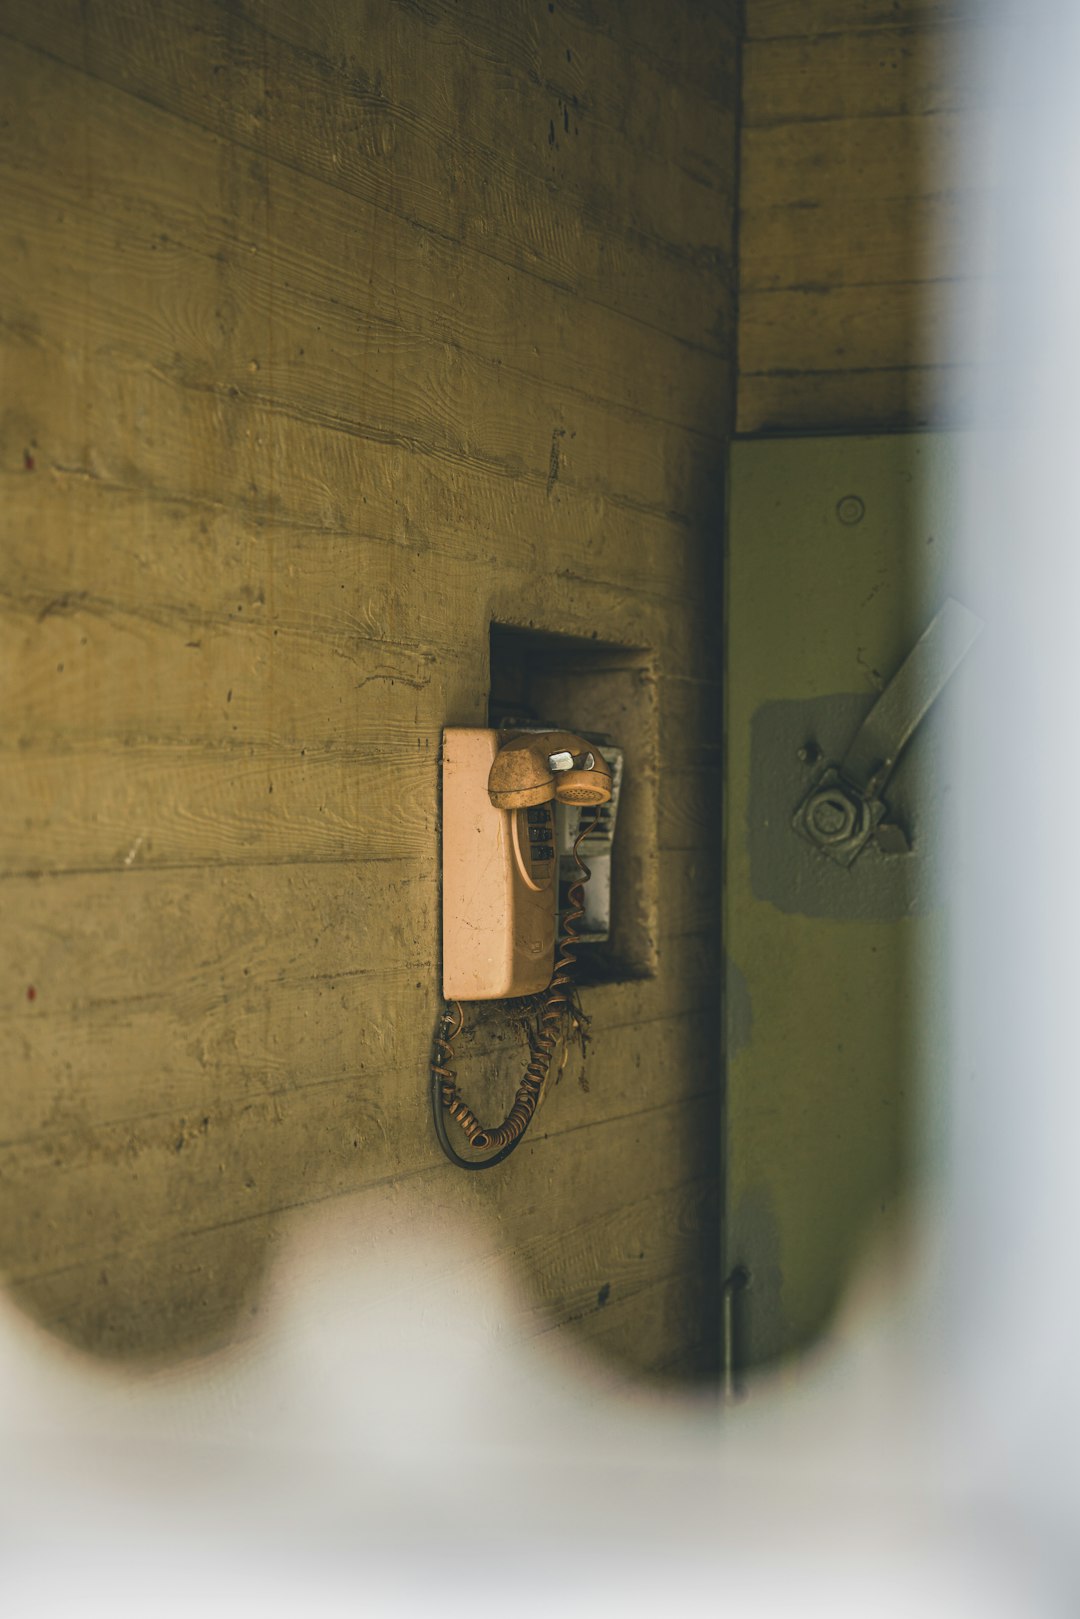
x=854 y=228
x=331 y=332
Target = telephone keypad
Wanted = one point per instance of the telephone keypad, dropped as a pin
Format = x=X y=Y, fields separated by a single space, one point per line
x=534 y=841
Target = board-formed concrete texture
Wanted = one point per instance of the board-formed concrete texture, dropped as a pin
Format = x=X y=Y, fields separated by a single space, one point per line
x=332 y=333
x=856 y=246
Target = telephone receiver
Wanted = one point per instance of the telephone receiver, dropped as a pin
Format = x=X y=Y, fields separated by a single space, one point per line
x=538 y=767
x=500 y=899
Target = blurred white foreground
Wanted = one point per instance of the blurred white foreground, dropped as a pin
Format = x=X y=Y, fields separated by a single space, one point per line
x=385 y=1451
x=369 y=1455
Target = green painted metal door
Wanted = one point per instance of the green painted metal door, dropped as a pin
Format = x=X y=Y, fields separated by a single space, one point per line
x=839 y=556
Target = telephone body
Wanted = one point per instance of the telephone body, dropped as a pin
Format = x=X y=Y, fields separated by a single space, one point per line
x=507 y=871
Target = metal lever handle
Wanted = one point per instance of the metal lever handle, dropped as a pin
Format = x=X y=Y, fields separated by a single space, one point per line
x=914 y=688
x=844 y=808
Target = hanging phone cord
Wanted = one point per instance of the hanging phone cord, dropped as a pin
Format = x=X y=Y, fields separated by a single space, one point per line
x=445 y=1096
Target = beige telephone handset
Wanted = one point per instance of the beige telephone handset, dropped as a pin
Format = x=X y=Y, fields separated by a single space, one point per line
x=500 y=896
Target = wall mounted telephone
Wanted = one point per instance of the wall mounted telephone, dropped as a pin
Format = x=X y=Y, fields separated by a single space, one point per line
x=508 y=797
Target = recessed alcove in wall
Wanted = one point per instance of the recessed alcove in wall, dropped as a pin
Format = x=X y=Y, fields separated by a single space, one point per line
x=602 y=690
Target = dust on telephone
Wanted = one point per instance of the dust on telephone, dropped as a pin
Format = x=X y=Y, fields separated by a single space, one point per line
x=520 y=805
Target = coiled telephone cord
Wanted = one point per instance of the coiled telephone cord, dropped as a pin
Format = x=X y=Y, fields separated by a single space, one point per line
x=446 y=1099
